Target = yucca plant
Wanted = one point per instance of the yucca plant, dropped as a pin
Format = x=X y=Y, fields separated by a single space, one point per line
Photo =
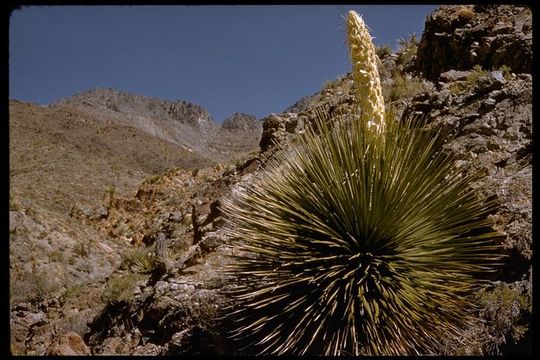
x=350 y=243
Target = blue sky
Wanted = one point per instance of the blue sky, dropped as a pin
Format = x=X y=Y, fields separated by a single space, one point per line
x=252 y=59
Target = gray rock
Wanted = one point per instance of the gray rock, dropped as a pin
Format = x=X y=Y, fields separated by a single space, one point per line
x=498 y=76
x=147 y=349
x=453 y=75
x=493 y=81
x=176 y=216
x=487 y=105
x=98 y=213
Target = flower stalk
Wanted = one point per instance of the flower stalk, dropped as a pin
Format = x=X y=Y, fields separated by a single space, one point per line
x=365 y=73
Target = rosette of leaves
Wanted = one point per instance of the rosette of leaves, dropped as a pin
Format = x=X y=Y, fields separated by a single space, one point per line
x=353 y=244
x=360 y=238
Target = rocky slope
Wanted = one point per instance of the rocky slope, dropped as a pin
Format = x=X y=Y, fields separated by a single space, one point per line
x=70 y=160
x=167 y=295
x=61 y=155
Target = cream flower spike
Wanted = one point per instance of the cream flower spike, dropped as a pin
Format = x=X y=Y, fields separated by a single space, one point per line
x=364 y=72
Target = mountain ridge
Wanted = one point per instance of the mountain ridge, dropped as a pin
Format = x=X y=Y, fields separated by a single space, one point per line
x=180 y=122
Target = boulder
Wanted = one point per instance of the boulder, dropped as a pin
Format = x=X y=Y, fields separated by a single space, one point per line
x=69 y=343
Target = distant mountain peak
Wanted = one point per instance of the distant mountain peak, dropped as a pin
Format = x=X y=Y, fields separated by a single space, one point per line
x=241 y=121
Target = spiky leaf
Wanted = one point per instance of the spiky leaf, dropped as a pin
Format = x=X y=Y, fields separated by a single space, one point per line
x=353 y=244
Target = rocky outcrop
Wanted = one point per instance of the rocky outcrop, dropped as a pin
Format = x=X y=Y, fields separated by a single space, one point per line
x=334 y=100
x=303 y=103
x=241 y=122
x=492 y=127
x=177 y=311
x=175 y=315
x=459 y=37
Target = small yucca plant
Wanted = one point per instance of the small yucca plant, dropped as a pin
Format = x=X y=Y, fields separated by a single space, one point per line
x=352 y=245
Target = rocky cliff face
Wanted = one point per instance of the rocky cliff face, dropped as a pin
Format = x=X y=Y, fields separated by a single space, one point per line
x=173 y=305
x=459 y=37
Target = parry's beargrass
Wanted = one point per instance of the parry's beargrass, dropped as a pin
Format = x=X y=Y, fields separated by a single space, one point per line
x=357 y=242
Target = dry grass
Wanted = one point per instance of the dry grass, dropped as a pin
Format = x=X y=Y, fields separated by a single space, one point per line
x=465 y=13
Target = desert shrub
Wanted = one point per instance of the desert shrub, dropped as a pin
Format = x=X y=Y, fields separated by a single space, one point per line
x=72 y=291
x=402 y=87
x=503 y=310
x=506 y=71
x=465 y=14
x=109 y=196
x=120 y=289
x=460 y=87
x=475 y=75
x=383 y=51
x=374 y=242
x=77 y=323
x=57 y=256
x=32 y=287
x=503 y=306
x=142 y=261
x=407 y=49
x=172 y=171
x=151 y=179
x=82 y=249
x=14 y=205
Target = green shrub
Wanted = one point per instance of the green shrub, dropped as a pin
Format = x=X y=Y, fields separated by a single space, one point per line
x=460 y=87
x=120 y=289
x=402 y=87
x=72 y=291
x=57 y=256
x=383 y=51
x=407 y=49
x=82 y=249
x=506 y=71
x=475 y=75
x=139 y=261
x=503 y=306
